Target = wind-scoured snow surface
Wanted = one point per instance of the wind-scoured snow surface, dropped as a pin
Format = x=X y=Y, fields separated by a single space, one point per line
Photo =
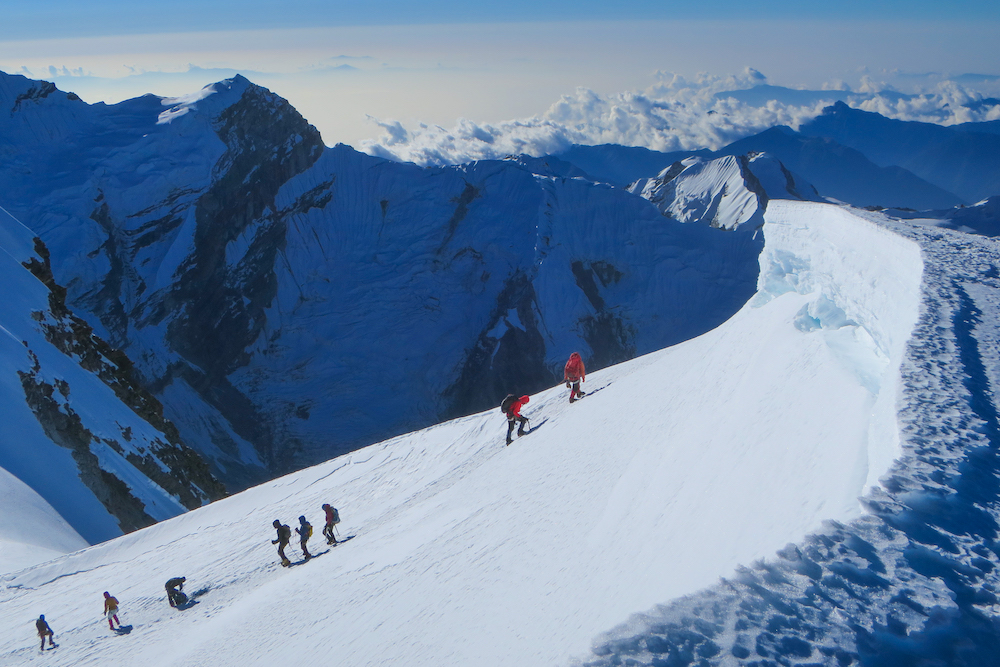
x=912 y=582
x=676 y=468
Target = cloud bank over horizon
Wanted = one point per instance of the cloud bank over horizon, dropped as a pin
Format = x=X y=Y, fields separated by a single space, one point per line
x=674 y=114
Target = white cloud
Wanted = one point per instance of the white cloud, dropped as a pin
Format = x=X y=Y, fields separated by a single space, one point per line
x=673 y=114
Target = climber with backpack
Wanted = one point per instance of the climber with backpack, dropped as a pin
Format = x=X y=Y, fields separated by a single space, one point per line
x=332 y=519
x=511 y=407
x=284 y=535
x=305 y=531
x=573 y=375
x=111 y=610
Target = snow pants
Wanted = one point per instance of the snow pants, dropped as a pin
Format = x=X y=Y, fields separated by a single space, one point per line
x=513 y=419
x=574 y=392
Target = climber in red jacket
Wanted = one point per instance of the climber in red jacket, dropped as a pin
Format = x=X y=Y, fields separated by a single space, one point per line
x=512 y=408
x=574 y=374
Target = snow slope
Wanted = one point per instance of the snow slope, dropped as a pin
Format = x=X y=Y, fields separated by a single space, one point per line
x=726 y=193
x=677 y=467
x=31 y=531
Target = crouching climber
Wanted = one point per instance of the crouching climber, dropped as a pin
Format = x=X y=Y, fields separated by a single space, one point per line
x=511 y=407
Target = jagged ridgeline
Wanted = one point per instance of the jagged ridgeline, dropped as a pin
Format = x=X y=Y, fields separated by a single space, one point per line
x=287 y=302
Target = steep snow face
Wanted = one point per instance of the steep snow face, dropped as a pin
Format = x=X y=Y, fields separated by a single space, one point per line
x=714 y=192
x=84 y=453
x=289 y=302
x=407 y=294
x=31 y=531
x=726 y=193
x=674 y=469
x=777 y=181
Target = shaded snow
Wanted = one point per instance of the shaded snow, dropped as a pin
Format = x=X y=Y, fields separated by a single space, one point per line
x=31 y=531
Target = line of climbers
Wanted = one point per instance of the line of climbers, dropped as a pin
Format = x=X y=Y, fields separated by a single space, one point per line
x=305 y=532
x=176 y=597
x=573 y=374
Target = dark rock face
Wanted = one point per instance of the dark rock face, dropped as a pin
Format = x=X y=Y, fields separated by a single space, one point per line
x=63 y=426
x=608 y=333
x=261 y=156
x=512 y=363
x=175 y=467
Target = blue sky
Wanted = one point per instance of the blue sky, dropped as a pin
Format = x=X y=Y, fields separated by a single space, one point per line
x=37 y=19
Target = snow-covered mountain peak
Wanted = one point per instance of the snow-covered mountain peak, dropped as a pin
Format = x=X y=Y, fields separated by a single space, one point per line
x=211 y=99
x=729 y=192
x=229 y=245
x=721 y=193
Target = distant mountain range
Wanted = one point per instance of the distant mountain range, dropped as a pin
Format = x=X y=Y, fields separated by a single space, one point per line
x=854 y=156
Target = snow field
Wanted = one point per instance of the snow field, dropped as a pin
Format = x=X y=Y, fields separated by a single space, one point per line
x=679 y=466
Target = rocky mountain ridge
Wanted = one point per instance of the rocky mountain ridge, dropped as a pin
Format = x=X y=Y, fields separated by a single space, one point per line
x=79 y=429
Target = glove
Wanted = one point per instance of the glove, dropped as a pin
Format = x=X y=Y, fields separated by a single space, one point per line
x=274 y=541
x=568 y=385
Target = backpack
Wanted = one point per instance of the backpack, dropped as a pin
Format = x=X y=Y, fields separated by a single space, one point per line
x=506 y=403
x=336 y=515
x=309 y=531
